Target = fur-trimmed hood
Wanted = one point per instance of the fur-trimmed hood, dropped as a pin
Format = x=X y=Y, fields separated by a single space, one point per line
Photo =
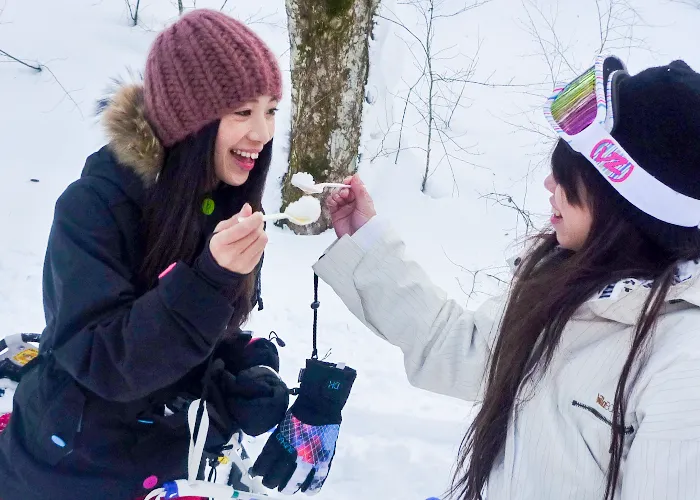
x=131 y=137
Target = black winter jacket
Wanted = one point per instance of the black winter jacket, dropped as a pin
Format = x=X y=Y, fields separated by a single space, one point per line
x=88 y=420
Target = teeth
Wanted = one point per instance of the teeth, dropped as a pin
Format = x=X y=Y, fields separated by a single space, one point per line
x=557 y=213
x=245 y=154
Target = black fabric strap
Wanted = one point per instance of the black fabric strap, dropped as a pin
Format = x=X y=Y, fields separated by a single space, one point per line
x=315 y=305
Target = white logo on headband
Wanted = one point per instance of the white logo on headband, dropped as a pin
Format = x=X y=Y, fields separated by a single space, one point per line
x=611 y=159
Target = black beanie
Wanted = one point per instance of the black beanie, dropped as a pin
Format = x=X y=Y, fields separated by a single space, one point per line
x=658 y=124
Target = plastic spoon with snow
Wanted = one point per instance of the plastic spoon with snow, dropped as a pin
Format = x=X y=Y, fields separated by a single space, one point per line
x=306 y=183
x=306 y=210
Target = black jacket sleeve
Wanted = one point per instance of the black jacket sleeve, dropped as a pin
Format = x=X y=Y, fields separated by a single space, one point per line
x=116 y=344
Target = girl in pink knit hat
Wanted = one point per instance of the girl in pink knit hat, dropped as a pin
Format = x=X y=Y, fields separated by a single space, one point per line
x=153 y=264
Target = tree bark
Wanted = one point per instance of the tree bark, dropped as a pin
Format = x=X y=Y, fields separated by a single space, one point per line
x=329 y=62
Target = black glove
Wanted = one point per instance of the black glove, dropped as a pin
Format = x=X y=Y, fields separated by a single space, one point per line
x=253 y=401
x=243 y=351
x=299 y=453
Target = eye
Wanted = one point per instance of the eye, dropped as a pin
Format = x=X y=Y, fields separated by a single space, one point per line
x=273 y=111
x=244 y=113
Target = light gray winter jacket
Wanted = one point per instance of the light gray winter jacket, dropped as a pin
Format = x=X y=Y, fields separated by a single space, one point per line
x=557 y=442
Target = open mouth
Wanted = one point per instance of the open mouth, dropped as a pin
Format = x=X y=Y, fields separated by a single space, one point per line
x=556 y=216
x=245 y=159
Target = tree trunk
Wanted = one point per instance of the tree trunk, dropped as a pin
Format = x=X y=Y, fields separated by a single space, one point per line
x=330 y=62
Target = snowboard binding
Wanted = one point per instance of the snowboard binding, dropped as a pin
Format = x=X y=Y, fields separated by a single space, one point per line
x=17 y=353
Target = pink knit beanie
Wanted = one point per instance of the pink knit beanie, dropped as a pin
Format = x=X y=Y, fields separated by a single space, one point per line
x=200 y=68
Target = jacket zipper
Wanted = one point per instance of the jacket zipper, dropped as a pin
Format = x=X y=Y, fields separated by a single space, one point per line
x=600 y=416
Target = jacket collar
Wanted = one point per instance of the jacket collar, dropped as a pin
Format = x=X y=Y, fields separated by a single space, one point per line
x=132 y=140
x=624 y=300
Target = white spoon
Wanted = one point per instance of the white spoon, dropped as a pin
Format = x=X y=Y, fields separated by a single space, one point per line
x=306 y=183
x=302 y=212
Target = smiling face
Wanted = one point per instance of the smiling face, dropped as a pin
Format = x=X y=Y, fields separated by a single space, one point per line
x=572 y=223
x=241 y=137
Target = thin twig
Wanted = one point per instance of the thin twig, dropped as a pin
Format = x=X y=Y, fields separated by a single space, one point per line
x=691 y=3
x=506 y=200
x=474 y=275
x=397 y=23
x=35 y=68
x=403 y=119
x=437 y=101
x=64 y=89
x=455 y=186
x=463 y=10
x=134 y=12
x=131 y=12
x=431 y=95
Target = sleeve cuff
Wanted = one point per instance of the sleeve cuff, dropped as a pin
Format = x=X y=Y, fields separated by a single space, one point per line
x=193 y=299
x=210 y=271
x=371 y=233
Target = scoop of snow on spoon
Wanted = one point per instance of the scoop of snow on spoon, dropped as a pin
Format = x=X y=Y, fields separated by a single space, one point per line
x=306 y=183
x=302 y=212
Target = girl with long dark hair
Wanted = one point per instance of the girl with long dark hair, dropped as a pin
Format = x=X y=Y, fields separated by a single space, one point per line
x=588 y=371
x=153 y=264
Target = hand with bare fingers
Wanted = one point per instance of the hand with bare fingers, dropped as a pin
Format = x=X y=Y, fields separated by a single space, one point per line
x=239 y=242
x=350 y=208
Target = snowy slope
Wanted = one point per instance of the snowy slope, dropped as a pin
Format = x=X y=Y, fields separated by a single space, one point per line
x=397 y=442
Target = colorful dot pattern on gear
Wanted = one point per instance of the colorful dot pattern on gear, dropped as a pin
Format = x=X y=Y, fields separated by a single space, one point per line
x=313 y=444
x=4 y=421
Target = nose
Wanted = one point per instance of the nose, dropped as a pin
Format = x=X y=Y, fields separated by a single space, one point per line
x=550 y=184
x=260 y=129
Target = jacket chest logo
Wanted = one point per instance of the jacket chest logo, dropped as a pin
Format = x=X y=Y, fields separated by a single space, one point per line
x=603 y=403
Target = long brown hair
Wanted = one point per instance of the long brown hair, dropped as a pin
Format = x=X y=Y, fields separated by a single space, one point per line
x=549 y=286
x=173 y=220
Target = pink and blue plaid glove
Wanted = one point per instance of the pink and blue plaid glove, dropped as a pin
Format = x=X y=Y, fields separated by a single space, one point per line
x=298 y=455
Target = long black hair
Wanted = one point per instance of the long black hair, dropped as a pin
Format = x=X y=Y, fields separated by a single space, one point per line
x=173 y=220
x=548 y=288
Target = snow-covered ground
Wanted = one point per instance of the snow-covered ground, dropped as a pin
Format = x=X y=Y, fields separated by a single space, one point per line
x=397 y=442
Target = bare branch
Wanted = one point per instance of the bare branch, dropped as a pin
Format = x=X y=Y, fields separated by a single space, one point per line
x=691 y=3
x=447 y=156
x=506 y=200
x=403 y=117
x=474 y=274
x=404 y=27
x=35 y=68
x=475 y=5
x=436 y=94
x=600 y=24
x=133 y=12
x=534 y=128
x=501 y=281
x=468 y=271
x=43 y=66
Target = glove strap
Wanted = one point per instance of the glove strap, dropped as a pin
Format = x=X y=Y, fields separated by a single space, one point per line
x=315 y=305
